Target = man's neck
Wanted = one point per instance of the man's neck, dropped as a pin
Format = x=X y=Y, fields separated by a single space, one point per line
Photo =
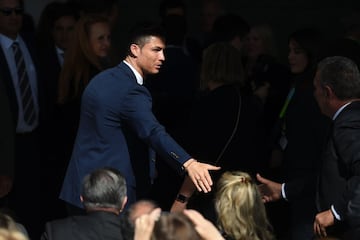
x=130 y=60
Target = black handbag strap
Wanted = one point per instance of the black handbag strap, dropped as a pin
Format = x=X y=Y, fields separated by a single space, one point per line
x=234 y=130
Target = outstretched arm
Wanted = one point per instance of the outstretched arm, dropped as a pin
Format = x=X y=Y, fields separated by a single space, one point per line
x=187 y=189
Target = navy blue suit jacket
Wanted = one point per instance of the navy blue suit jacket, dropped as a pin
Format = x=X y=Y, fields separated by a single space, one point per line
x=112 y=101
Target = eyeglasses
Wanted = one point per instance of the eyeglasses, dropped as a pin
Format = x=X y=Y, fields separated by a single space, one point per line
x=9 y=11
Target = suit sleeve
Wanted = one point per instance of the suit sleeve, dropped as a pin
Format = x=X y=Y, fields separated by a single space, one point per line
x=347 y=144
x=138 y=114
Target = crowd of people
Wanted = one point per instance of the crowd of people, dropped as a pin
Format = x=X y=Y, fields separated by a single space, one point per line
x=175 y=136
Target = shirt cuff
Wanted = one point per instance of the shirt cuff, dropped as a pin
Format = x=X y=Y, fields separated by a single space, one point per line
x=283 y=191
x=336 y=215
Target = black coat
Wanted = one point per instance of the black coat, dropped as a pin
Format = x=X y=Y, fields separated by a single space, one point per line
x=211 y=126
x=94 y=225
x=339 y=182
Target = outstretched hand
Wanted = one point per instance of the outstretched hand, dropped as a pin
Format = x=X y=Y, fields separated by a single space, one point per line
x=270 y=191
x=199 y=174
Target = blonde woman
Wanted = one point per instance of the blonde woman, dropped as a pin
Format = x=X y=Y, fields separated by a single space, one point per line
x=241 y=211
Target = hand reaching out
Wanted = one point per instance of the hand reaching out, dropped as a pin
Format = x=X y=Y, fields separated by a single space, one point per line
x=270 y=191
x=199 y=174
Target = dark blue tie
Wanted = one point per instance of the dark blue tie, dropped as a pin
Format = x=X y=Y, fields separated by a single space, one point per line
x=25 y=88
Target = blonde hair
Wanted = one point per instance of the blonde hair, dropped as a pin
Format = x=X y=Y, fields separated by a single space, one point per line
x=241 y=212
x=79 y=60
x=221 y=64
x=6 y=234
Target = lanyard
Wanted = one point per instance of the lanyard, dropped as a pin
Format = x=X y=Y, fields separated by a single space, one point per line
x=287 y=101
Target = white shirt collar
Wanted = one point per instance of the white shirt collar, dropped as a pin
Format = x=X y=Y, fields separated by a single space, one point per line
x=59 y=50
x=340 y=110
x=139 y=78
x=7 y=42
x=60 y=55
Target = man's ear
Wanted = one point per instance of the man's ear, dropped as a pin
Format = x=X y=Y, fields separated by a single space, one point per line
x=134 y=49
x=81 y=198
x=328 y=91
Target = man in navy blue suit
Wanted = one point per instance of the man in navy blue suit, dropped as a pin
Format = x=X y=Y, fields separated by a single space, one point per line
x=115 y=100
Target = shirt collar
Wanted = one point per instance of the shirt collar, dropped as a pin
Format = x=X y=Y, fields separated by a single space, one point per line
x=139 y=78
x=7 y=42
x=340 y=110
x=59 y=50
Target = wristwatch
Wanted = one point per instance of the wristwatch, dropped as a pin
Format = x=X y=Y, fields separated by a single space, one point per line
x=182 y=198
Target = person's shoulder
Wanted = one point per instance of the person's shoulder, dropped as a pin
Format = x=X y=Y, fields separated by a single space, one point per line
x=63 y=221
x=106 y=77
x=61 y=228
x=119 y=71
x=350 y=113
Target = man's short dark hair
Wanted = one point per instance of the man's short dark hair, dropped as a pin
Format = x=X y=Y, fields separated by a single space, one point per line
x=141 y=32
x=342 y=75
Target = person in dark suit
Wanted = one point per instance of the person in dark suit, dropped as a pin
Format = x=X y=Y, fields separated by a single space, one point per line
x=337 y=91
x=22 y=80
x=115 y=101
x=104 y=197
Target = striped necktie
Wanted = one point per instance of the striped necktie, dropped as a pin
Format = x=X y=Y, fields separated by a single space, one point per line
x=24 y=84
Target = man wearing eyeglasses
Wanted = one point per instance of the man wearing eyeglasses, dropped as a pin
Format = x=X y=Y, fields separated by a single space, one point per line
x=21 y=83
